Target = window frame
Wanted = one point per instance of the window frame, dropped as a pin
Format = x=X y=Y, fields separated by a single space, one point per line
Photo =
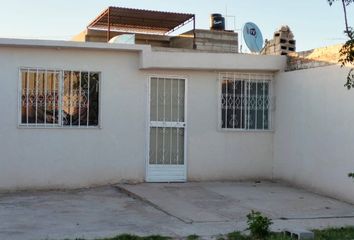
x=59 y=125
x=255 y=75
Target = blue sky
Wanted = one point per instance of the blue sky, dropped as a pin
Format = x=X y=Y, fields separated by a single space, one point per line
x=313 y=22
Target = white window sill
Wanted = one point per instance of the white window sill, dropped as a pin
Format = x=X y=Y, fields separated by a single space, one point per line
x=247 y=130
x=24 y=126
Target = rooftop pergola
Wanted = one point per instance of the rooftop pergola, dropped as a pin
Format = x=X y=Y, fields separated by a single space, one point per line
x=140 y=21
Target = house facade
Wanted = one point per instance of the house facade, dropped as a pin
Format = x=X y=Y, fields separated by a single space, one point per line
x=84 y=114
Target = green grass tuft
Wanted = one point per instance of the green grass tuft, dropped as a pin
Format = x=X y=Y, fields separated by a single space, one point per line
x=193 y=237
x=236 y=236
x=134 y=237
x=278 y=236
x=344 y=233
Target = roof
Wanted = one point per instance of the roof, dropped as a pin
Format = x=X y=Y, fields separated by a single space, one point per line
x=150 y=59
x=139 y=20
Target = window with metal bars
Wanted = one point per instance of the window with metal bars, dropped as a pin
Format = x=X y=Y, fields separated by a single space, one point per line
x=57 y=98
x=245 y=101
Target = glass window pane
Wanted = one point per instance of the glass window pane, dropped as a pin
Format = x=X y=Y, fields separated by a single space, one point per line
x=223 y=103
x=245 y=101
x=174 y=146
x=159 y=144
x=24 y=96
x=70 y=111
x=75 y=98
x=160 y=99
x=174 y=93
x=32 y=99
x=252 y=105
x=229 y=104
x=41 y=92
x=40 y=97
x=94 y=99
x=153 y=99
x=235 y=110
x=83 y=98
x=167 y=146
x=168 y=100
x=180 y=146
x=153 y=146
x=267 y=102
x=260 y=104
x=66 y=105
x=181 y=92
x=51 y=97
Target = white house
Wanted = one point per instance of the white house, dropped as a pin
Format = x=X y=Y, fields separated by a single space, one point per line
x=77 y=114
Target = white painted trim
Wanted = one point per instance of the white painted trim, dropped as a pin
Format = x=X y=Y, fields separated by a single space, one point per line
x=218 y=94
x=61 y=71
x=186 y=128
x=147 y=150
x=147 y=166
x=100 y=86
x=15 y=42
x=19 y=98
x=271 y=110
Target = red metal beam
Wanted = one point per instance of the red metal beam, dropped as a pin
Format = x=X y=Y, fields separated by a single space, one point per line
x=97 y=19
x=109 y=25
x=194 y=34
x=145 y=19
x=179 y=26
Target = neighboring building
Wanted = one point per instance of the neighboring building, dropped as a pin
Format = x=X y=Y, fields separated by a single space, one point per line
x=282 y=43
x=77 y=114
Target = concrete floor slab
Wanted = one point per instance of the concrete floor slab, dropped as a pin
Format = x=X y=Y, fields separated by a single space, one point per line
x=232 y=201
x=206 y=209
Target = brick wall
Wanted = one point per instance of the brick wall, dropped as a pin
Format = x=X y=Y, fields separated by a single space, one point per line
x=317 y=57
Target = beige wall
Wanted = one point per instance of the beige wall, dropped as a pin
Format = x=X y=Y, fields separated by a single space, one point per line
x=41 y=158
x=170 y=59
x=314 y=135
x=215 y=154
x=311 y=145
x=67 y=158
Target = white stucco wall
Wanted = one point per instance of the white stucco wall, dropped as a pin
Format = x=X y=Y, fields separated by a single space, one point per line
x=37 y=158
x=311 y=145
x=207 y=61
x=67 y=158
x=314 y=135
x=215 y=154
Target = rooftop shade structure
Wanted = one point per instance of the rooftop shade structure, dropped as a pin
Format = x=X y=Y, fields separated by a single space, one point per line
x=140 y=21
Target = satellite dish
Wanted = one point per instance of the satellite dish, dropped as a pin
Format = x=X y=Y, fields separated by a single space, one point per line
x=253 y=37
x=123 y=39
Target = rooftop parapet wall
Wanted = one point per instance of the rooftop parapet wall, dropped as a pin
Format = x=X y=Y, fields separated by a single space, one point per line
x=166 y=58
x=207 y=40
x=317 y=57
x=210 y=61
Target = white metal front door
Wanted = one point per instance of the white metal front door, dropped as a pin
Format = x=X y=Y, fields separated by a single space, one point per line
x=167 y=137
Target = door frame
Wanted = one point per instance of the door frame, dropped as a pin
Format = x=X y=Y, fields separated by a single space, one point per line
x=147 y=150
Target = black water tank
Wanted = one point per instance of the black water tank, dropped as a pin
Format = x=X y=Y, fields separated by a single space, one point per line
x=217 y=22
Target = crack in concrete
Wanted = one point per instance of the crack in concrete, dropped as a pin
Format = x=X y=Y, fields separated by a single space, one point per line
x=314 y=218
x=190 y=221
x=136 y=196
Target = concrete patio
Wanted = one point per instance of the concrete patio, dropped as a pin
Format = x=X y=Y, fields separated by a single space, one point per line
x=206 y=209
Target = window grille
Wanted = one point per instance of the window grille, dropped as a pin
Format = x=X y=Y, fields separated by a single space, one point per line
x=245 y=101
x=55 y=98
